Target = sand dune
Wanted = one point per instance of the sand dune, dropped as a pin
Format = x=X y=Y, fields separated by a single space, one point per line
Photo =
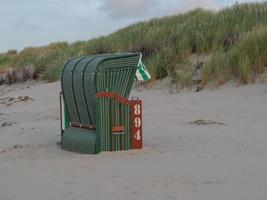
x=207 y=145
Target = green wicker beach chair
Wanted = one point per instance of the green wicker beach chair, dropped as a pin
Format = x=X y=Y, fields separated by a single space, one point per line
x=96 y=114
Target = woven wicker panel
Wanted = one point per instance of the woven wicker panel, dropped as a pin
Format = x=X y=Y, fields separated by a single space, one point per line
x=67 y=90
x=112 y=68
x=79 y=140
x=78 y=79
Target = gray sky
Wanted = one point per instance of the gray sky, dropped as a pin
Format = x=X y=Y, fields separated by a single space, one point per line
x=38 y=22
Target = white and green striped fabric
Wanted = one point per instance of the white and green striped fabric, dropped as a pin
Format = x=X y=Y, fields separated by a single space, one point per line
x=141 y=73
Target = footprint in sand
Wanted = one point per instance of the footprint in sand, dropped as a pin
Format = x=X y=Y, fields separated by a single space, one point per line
x=206 y=122
x=4 y=124
x=4 y=197
x=8 y=101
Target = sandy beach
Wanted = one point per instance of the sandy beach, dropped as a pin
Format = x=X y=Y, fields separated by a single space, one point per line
x=197 y=146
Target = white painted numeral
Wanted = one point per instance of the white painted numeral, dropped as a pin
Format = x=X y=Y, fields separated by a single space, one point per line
x=137 y=109
x=137 y=135
x=137 y=122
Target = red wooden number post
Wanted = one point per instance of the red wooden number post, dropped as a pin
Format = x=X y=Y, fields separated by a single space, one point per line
x=136 y=112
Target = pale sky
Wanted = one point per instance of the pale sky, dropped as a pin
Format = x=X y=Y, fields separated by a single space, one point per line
x=39 y=22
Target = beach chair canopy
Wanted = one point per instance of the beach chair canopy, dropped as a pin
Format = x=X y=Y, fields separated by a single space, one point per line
x=83 y=78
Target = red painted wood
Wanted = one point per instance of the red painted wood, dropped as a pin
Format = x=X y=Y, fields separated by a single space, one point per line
x=136 y=114
x=112 y=95
x=78 y=125
x=118 y=129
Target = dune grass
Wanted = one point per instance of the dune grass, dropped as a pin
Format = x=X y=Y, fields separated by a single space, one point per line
x=235 y=37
